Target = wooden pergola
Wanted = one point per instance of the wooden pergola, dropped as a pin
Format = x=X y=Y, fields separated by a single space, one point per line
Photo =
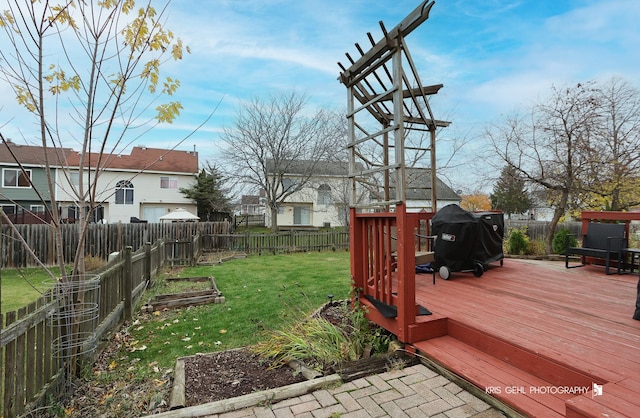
x=391 y=127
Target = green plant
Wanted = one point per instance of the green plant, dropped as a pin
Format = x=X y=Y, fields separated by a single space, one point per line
x=558 y=244
x=21 y=286
x=518 y=241
x=536 y=247
x=321 y=344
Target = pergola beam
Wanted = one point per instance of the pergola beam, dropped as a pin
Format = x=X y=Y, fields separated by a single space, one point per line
x=408 y=24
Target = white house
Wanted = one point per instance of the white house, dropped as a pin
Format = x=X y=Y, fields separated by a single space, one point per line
x=144 y=184
x=321 y=202
x=324 y=198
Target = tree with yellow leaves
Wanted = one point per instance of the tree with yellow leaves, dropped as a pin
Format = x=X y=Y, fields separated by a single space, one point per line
x=88 y=72
x=475 y=202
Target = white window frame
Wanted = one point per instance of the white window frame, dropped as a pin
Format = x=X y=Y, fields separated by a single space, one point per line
x=124 y=192
x=18 y=173
x=36 y=208
x=9 y=206
x=170 y=183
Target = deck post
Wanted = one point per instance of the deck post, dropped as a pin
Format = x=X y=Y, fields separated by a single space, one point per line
x=406 y=274
x=356 y=234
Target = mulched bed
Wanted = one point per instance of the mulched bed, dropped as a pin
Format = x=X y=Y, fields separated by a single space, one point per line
x=227 y=374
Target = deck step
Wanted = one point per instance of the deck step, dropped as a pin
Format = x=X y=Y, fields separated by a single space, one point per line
x=615 y=401
x=523 y=391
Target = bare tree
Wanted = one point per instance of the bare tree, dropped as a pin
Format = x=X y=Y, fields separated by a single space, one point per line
x=613 y=181
x=277 y=146
x=550 y=149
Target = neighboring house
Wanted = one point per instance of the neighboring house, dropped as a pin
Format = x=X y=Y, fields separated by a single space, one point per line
x=418 y=191
x=323 y=201
x=19 y=199
x=144 y=184
x=252 y=205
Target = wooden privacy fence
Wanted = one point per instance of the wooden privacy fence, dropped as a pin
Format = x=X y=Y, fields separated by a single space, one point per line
x=30 y=340
x=282 y=242
x=537 y=230
x=101 y=239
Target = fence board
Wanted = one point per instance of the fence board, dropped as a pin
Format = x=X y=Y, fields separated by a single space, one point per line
x=101 y=239
x=31 y=369
x=9 y=370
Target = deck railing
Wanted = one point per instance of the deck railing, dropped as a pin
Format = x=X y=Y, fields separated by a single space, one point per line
x=383 y=247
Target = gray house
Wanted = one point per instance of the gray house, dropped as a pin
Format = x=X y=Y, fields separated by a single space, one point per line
x=419 y=191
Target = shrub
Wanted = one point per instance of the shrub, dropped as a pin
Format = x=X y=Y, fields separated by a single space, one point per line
x=536 y=248
x=518 y=241
x=558 y=244
x=92 y=262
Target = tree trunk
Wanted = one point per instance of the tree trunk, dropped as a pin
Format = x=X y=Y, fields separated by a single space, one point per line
x=274 y=219
x=557 y=214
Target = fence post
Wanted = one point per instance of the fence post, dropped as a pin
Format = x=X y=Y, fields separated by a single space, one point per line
x=128 y=283
x=147 y=262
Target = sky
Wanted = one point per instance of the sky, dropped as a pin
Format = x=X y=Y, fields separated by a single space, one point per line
x=494 y=57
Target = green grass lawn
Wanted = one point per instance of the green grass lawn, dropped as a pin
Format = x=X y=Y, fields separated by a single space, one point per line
x=20 y=287
x=261 y=293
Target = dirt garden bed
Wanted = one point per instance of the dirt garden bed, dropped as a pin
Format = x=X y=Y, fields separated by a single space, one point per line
x=205 y=378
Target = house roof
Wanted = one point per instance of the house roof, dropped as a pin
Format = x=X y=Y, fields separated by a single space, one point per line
x=149 y=159
x=32 y=155
x=320 y=168
x=250 y=199
x=419 y=186
x=140 y=158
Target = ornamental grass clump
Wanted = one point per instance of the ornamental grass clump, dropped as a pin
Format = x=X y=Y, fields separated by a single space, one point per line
x=320 y=344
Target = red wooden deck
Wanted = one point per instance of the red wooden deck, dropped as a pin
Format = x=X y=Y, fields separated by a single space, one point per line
x=531 y=331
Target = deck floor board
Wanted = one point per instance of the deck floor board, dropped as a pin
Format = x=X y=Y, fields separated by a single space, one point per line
x=580 y=318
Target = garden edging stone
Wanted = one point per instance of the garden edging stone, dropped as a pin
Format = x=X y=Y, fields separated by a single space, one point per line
x=251 y=399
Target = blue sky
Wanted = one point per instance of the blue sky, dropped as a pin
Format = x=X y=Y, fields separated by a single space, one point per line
x=493 y=57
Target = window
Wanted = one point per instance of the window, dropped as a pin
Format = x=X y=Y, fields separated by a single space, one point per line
x=324 y=194
x=36 y=208
x=168 y=183
x=124 y=193
x=14 y=177
x=97 y=215
x=8 y=209
x=73 y=212
x=288 y=184
x=301 y=216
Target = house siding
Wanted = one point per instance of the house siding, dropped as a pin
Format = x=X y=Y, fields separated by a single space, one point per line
x=147 y=192
x=292 y=210
x=39 y=180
